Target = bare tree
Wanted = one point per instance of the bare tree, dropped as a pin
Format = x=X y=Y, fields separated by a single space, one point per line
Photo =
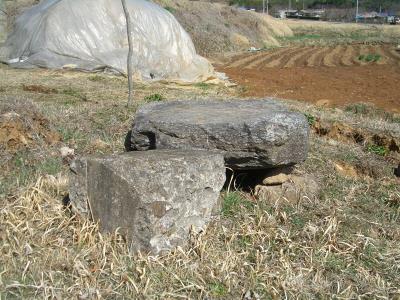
x=130 y=52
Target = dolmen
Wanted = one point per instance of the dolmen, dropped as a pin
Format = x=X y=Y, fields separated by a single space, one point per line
x=169 y=181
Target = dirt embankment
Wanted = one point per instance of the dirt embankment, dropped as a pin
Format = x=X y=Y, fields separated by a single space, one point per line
x=22 y=125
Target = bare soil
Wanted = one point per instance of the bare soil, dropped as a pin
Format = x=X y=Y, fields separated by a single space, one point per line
x=22 y=125
x=332 y=75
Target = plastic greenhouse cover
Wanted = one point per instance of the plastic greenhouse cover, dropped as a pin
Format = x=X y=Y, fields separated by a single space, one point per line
x=91 y=35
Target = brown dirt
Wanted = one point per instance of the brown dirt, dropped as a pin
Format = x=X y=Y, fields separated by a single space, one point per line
x=316 y=58
x=359 y=169
x=349 y=134
x=333 y=74
x=348 y=56
x=39 y=89
x=277 y=54
x=24 y=127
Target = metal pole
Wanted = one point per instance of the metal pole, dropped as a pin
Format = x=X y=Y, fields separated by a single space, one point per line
x=130 y=51
x=290 y=4
x=263 y=6
x=357 y=12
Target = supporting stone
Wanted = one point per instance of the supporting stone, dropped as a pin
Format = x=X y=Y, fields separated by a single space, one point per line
x=154 y=197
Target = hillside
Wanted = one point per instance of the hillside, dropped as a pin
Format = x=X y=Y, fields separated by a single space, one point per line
x=216 y=27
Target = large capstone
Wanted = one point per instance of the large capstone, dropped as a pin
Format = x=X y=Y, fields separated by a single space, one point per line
x=251 y=134
x=155 y=197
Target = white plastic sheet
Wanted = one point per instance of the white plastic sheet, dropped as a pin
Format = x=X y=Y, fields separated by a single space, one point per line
x=91 y=35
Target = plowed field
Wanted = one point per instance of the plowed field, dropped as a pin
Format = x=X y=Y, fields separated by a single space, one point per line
x=337 y=75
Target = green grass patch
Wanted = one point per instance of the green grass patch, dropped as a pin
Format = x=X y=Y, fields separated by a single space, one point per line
x=233 y=202
x=358 y=108
x=154 y=98
x=298 y=221
x=25 y=169
x=310 y=119
x=244 y=241
x=218 y=289
x=50 y=166
x=335 y=263
x=74 y=93
x=369 y=110
x=96 y=78
x=378 y=150
x=372 y=57
x=301 y=37
x=358 y=36
x=202 y=85
x=170 y=9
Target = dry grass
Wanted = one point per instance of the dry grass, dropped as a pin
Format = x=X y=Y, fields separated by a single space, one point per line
x=13 y=8
x=341 y=244
x=217 y=28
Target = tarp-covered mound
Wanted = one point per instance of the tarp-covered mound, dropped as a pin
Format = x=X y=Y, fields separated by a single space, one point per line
x=91 y=35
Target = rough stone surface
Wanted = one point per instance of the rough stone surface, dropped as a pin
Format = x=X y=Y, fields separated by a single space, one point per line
x=276 y=179
x=77 y=187
x=277 y=176
x=155 y=197
x=292 y=191
x=252 y=134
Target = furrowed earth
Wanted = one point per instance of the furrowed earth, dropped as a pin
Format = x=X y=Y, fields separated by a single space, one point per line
x=332 y=75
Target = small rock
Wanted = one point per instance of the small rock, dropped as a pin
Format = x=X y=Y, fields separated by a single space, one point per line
x=346 y=170
x=99 y=144
x=251 y=295
x=311 y=229
x=10 y=115
x=291 y=191
x=67 y=155
x=332 y=142
x=272 y=193
x=306 y=184
x=276 y=179
x=278 y=176
x=67 y=152
x=323 y=102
